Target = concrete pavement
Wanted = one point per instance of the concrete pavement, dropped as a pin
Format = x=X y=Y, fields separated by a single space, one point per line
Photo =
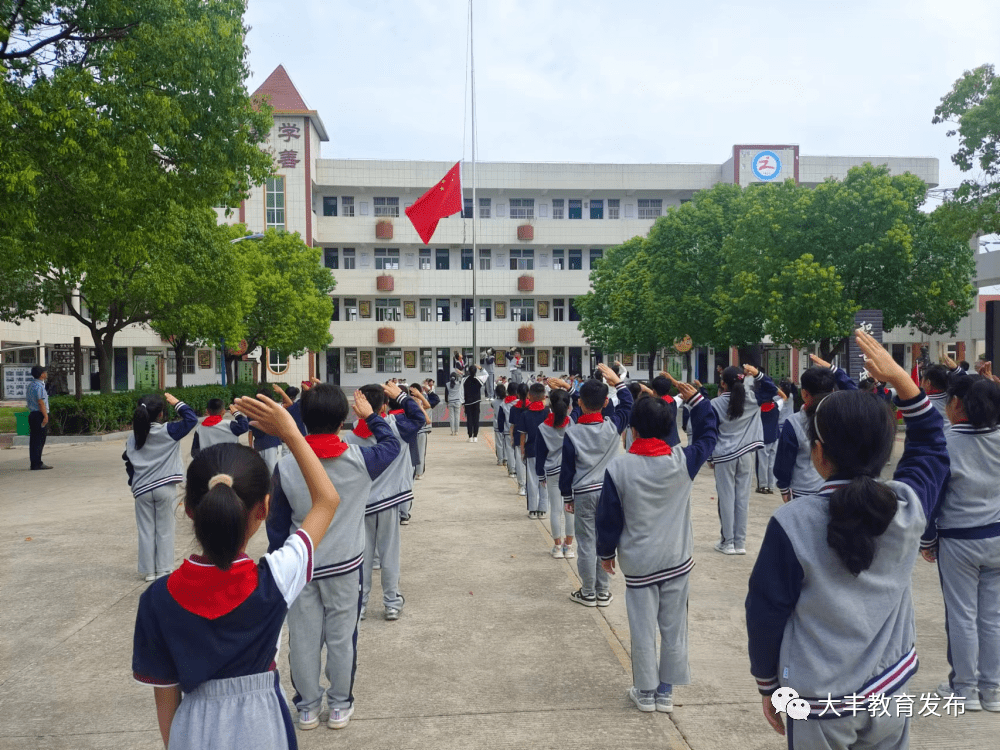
x=490 y=652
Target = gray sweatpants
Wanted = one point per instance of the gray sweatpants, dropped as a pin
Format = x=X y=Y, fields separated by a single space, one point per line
x=970 y=582
x=271 y=456
x=382 y=533
x=155 y=522
x=560 y=522
x=593 y=579
x=421 y=453
x=663 y=608
x=519 y=466
x=508 y=451
x=326 y=612
x=536 y=501
x=498 y=446
x=765 y=464
x=454 y=416
x=860 y=731
x=732 y=487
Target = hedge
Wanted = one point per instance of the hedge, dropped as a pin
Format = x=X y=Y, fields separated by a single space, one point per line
x=100 y=413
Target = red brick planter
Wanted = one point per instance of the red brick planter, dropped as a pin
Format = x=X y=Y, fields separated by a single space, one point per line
x=383 y=230
x=526 y=283
x=526 y=335
x=526 y=232
x=385 y=283
x=387 y=335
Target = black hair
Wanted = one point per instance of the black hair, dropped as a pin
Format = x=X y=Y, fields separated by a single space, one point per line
x=818 y=381
x=937 y=376
x=559 y=403
x=522 y=391
x=292 y=392
x=263 y=390
x=324 y=409
x=453 y=379
x=221 y=514
x=661 y=384
x=214 y=406
x=37 y=370
x=635 y=389
x=857 y=433
x=867 y=385
x=146 y=412
x=964 y=365
x=733 y=378
x=375 y=395
x=652 y=418
x=786 y=386
x=980 y=398
x=470 y=370
x=593 y=394
x=500 y=391
x=537 y=391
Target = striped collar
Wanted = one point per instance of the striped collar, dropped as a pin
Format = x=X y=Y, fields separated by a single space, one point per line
x=832 y=485
x=967 y=429
x=937 y=395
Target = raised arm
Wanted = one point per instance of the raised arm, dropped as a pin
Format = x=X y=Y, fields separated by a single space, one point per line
x=189 y=420
x=704 y=425
x=377 y=457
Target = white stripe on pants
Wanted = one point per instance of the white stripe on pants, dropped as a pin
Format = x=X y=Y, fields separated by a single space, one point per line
x=661 y=608
x=560 y=521
x=593 y=579
x=326 y=612
x=382 y=533
x=155 y=522
x=970 y=582
x=732 y=487
x=498 y=446
x=454 y=416
x=765 y=464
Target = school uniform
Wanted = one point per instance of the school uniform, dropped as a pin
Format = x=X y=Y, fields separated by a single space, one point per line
x=548 y=462
x=497 y=405
x=472 y=396
x=533 y=415
x=389 y=491
x=296 y=411
x=588 y=447
x=489 y=367
x=215 y=634
x=154 y=471
x=268 y=446
x=733 y=459
x=644 y=517
x=214 y=430
x=504 y=423
x=515 y=442
x=830 y=635
x=770 y=411
x=422 y=437
x=453 y=394
x=516 y=373
x=965 y=527
x=327 y=610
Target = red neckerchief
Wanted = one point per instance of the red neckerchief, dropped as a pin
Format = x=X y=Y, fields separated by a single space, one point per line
x=767 y=406
x=551 y=421
x=212 y=420
x=933 y=391
x=650 y=447
x=668 y=398
x=519 y=405
x=326 y=446
x=510 y=399
x=362 y=430
x=206 y=591
x=536 y=405
x=595 y=418
x=396 y=411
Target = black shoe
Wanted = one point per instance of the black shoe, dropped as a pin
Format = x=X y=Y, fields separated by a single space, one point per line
x=760 y=491
x=40 y=467
x=404 y=520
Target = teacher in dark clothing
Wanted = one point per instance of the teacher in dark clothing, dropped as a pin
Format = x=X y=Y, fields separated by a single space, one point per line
x=472 y=391
x=38 y=416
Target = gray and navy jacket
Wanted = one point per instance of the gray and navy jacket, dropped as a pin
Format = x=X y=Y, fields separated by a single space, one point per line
x=644 y=512
x=159 y=460
x=497 y=404
x=395 y=485
x=205 y=436
x=528 y=424
x=513 y=420
x=453 y=393
x=744 y=434
x=815 y=627
x=793 y=467
x=352 y=470
x=588 y=447
x=433 y=399
x=548 y=447
x=503 y=420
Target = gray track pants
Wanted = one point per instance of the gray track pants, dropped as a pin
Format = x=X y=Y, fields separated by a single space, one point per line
x=498 y=446
x=519 y=466
x=593 y=579
x=454 y=416
x=508 y=451
x=382 y=533
x=765 y=464
x=155 y=522
x=271 y=456
x=537 y=501
x=661 y=608
x=560 y=522
x=861 y=731
x=421 y=453
x=326 y=612
x=732 y=487
x=970 y=582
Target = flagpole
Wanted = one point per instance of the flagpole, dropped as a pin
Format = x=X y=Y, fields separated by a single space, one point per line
x=475 y=206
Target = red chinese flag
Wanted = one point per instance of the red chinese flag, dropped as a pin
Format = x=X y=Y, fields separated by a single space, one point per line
x=444 y=199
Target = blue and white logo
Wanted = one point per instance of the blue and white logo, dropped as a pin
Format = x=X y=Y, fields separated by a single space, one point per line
x=766 y=166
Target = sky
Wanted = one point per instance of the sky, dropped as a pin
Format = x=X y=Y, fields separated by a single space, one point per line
x=630 y=81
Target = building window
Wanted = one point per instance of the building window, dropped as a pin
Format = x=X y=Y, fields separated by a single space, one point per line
x=331 y=259
x=386 y=206
x=559 y=359
x=522 y=259
x=522 y=208
x=467 y=309
x=650 y=208
x=335 y=314
x=558 y=208
x=485 y=311
x=329 y=205
x=576 y=260
x=614 y=208
x=484 y=208
x=276 y=361
x=485 y=259
x=467 y=208
x=388 y=360
x=595 y=255
x=347 y=207
x=441 y=259
x=386 y=259
x=350 y=360
x=426 y=360
x=425 y=259
x=573 y=314
x=387 y=309
x=426 y=316
x=275 y=201
x=443 y=310
x=558 y=260
x=575 y=209
x=529 y=359
x=350 y=259
x=559 y=312
x=187 y=362
x=351 y=311
x=466 y=258
x=522 y=311
x=596 y=209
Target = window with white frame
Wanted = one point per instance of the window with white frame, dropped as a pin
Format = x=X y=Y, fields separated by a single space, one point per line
x=522 y=208
x=350 y=259
x=347 y=209
x=467 y=208
x=350 y=360
x=576 y=260
x=528 y=352
x=443 y=310
x=389 y=360
x=276 y=361
x=558 y=208
x=387 y=309
x=522 y=259
x=558 y=260
x=559 y=312
x=426 y=360
x=187 y=362
x=522 y=311
x=426 y=311
x=484 y=208
x=274 y=191
x=425 y=259
x=485 y=311
x=386 y=206
x=350 y=309
x=650 y=208
x=386 y=258
x=485 y=259
x=559 y=359
x=614 y=208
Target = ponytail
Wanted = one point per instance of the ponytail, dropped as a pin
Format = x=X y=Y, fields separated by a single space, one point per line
x=220 y=525
x=733 y=378
x=146 y=412
x=859 y=513
x=980 y=398
x=559 y=404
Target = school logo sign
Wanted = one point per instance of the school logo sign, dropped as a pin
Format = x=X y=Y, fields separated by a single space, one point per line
x=766 y=166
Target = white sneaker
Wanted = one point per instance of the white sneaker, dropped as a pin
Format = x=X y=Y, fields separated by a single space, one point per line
x=991 y=699
x=740 y=550
x=568 y=551
x=151 y=577
x=971 y=703
x=475 y=439
x=308 y=718
x=726 y=549
x=557 y=552
x=470 y=440
x=644 y=701
x=522 y=492
x=339 y=717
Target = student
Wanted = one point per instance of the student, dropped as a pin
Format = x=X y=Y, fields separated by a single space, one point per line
x=770 y=413
x=740 y=434
x=453 y=394
x=588 y=447
x=458 y=361
x=661 y=386
x=268 y=446
x=829 y=609
x=531 y=417
x=472 y=396
x=504 y=422
x=420 y=393
x=515 y=363
x=499 y=395
x=294 y=407
x=390 y=491
x=213 y=430
x=515 y=439
x=644 y=517
x=489 y=362
x=327 y=610
x=154 y=466
x=548 y=462
x=964 y=538
x=210 y=631
x=934 y=381
x=637 y=390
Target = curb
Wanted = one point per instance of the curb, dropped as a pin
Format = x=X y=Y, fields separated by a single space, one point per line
x=21 y=441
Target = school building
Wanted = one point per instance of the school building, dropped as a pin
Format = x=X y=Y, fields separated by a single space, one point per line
x=401 y=308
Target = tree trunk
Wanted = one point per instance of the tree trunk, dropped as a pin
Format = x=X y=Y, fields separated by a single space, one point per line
x=262 y=363
x=179 y=348
x=652 y=362
x=104 y=343
x=230 y=365
x=828 y=348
